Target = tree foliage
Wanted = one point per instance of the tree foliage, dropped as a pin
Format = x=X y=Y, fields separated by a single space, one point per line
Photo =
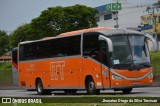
x=157 y=4
x=23 y=33
x=4 y=42
x=56 y=20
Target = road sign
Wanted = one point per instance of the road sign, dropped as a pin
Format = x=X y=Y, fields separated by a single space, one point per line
x=116 y=6
x=113 y=6
x=108 y=7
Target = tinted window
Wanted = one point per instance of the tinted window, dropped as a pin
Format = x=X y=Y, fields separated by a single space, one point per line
x=59 y=47
x=30 y=51
x=72 y=45
x=14 y=56
x=91 y=46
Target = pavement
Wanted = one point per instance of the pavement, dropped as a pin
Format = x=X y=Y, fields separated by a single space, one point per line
x=136 y=92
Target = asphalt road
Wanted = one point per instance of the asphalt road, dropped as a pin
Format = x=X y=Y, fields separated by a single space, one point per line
x=136 y=92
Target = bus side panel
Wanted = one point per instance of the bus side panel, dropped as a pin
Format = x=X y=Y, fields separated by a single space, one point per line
x=26 y=74
x=62 y=73
x=92 y=68
x=57 y=73
x=72 y=70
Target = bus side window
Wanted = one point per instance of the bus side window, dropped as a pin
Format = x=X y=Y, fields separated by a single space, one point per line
x=14 y=56
x=21 y=53
x=72 y=45
x=30 y=51
x=91 y=46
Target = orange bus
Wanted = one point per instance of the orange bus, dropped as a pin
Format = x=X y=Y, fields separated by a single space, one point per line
x=91 y=59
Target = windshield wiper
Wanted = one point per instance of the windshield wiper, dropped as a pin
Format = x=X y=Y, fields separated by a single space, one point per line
x=126 y=62
x=145 y=64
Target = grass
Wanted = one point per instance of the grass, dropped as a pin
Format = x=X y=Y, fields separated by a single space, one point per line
x=5 y=72
x=155 y=60
x=5 y=66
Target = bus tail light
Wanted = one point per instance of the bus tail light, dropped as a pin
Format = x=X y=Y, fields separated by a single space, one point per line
x=115 y=77
x=149 y=75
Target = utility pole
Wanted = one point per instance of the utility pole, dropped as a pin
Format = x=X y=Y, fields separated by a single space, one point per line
x=155 y=24
x=117 y=26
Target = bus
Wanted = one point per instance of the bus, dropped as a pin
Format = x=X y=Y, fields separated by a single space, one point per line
x=15 y=66
x=91 y=59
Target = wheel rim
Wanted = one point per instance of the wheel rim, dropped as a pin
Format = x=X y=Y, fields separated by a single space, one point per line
x=39 y=87
x=91 y=86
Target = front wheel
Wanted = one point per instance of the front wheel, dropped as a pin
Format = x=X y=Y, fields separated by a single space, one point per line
x=127 y=90
x=90 y=85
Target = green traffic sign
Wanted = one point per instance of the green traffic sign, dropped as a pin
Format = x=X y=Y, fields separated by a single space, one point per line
x=113 y=6
x=108 y=7
x=116 y=6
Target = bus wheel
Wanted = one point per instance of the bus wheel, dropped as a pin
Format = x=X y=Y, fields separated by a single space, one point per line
x=40 y=90
x=127 y=90
x=90 y=85
x=70 y=91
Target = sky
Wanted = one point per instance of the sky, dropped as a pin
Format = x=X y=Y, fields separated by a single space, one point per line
x=14 y=13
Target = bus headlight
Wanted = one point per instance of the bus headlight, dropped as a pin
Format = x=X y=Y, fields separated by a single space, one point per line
x=115 y=77
x=149 y=76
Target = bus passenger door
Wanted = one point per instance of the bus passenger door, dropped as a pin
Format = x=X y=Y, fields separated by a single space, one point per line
x=105 y=64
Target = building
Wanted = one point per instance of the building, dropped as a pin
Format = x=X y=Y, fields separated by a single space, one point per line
x=128 y=17
x=149 y=25
x=5 y=58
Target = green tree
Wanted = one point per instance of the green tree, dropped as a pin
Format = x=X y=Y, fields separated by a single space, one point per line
x=157 y=4
x=53 y=21
x=4 y=43
x=23 y=33
x=56 y=20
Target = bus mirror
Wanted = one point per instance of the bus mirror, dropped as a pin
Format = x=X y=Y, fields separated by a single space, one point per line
x=109 y=42
x=154 y=42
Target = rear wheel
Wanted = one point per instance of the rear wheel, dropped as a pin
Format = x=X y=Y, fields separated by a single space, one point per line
x=90 y=85
x=127 y=90
x=40 y=90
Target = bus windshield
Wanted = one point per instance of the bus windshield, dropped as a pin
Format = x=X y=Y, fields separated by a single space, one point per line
x=130 y=52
